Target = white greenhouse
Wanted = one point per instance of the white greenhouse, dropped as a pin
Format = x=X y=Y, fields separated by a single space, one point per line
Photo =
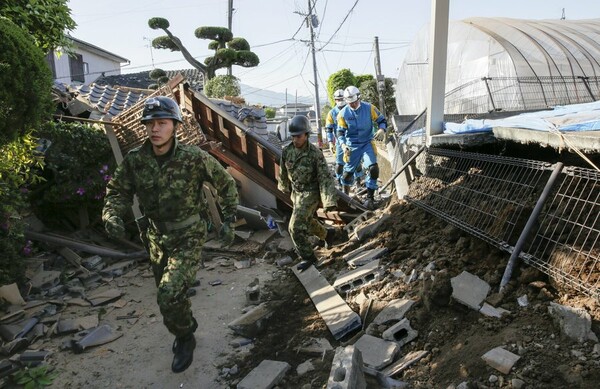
x=501 y=64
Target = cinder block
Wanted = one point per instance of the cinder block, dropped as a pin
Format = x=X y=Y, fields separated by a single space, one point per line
x=401 y=333
x=358 y=278
x=253 y=295
x=347 y=369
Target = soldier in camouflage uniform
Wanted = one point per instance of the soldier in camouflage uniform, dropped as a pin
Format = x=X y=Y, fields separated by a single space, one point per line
x=305 y=175
x=167 y=178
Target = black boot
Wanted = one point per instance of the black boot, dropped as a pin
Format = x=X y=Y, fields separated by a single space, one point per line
x=370 y=202
x=194 y=328
x=184 y=353
x=306 y=263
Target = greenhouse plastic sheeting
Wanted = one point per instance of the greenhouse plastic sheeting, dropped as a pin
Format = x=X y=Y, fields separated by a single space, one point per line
x=508 y=64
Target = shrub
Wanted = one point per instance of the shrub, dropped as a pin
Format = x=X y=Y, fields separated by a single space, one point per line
x=25 y=83
x=77 y=167
x=222 y=86
x=17 y=166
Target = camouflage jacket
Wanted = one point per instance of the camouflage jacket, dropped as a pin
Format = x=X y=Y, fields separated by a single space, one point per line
x=171 y=192
x=305 y=170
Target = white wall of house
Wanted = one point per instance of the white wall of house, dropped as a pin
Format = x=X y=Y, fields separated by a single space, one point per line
x=93 y=67
x=85 y=65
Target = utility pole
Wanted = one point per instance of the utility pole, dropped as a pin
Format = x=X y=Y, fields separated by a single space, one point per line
x=229 y=26
x=314 y=21
x=380 y=78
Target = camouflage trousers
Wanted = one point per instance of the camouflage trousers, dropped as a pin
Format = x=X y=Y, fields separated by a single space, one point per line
x=175 y=259
x=303 y=223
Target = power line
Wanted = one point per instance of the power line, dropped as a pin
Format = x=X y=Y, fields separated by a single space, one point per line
x=340 y=26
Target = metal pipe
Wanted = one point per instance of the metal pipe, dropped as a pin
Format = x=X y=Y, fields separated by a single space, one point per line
x=529 y=226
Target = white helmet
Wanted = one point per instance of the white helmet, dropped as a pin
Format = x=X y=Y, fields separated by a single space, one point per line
x=351 y=94
x=338 y=96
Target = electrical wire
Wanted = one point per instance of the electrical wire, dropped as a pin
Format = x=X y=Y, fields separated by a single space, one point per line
x=340 y=26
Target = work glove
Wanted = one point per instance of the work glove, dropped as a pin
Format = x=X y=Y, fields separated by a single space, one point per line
x=380 y=134
x=115 y=227
x=347 y=153
x=227 y=233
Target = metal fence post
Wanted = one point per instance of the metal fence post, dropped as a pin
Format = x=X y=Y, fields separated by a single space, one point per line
x=529 y=226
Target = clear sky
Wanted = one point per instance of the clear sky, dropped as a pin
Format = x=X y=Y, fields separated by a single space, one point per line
x=277 y=34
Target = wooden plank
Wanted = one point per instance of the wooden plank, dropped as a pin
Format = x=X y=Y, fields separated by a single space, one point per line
x=212 y=206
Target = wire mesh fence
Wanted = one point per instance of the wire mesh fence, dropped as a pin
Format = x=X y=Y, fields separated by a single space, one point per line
x=492 y=198
x=521 y=93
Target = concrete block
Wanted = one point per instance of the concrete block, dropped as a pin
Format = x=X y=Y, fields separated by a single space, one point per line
x=353 y=225
x=253 y=295
x=469 y=289
x=365 y=231
x=305 y=367
x=264 y=376
x=401 y=333
x=500 y=359
x=491 y=311
x=367 y=256
x=347 y=369
x=358 y=278
x=252 y=322
x=376 y=352
x=394 y=311
x=576 y=323
x=338 y=316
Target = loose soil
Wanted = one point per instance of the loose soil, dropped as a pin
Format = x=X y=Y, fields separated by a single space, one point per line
x=454 y=335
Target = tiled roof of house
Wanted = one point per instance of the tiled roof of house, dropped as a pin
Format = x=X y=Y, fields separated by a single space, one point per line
x=142 y=80
x=112 y=101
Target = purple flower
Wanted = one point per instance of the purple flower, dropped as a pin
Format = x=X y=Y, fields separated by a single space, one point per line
x=27 y=250
x=104 y=169
x=107 y=177
x=80 y=191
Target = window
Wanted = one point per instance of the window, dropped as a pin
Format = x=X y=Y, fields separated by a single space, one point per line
x=76 y=66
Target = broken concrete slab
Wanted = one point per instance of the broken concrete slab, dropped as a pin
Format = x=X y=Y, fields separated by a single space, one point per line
x=99 y=336
x=11 y=294
x=304 y=367
x=262 y=236
x=404 y=363
x=376 y=352
x=119 y=268
x=362 y=232
x=575 y=323
x=252 y=322
x=394 y=311
x=401 y=333
x=361 y=249
x=265 y=376
x=366 y=257
x=285 y=244
x=339 y=318
x=104 y=297
x=347 y=369
x=358 y=278
x=316 y=346
x=491 y=311
x=254 y=218
x=500 y=359
x=469 y=289
x=353 y=225
x=77 y=324
x=45 y=279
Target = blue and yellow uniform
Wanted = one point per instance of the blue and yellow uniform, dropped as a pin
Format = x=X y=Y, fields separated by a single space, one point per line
x=355 y=129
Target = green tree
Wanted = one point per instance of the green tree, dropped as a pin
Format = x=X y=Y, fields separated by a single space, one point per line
x=369 y=92
x=324 y=111
x=46 y=20
x=222 y=86
x=25 y=83
x=361 y=78
x=160 y=76
x=228 y=50
x=339 y=80
x=269 y=112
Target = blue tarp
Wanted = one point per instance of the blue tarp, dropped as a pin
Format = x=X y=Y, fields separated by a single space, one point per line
x=575 y=117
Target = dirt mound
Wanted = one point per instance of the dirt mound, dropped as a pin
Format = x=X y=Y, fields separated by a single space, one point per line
x=424 y=253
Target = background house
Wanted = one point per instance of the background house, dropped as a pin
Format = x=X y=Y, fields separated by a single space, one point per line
x=85 y=65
